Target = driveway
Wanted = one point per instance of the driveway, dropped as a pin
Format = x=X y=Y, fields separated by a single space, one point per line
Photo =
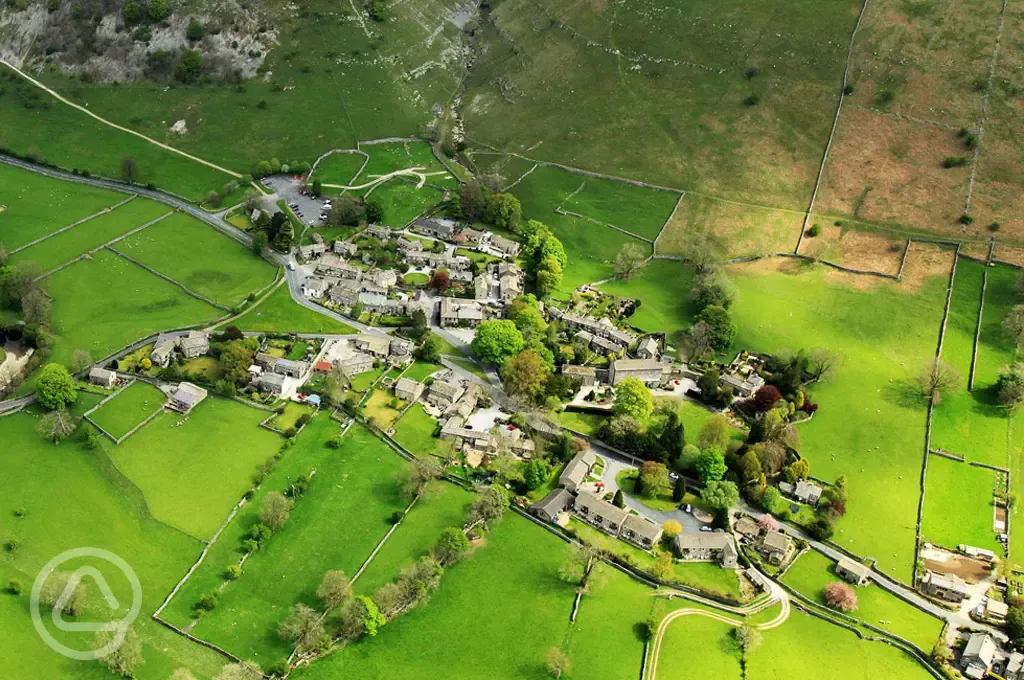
x=613 y=466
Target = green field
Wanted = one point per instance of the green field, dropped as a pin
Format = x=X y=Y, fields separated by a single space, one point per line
x=339 y=168
x=415 y=431
x=443 y=506
x=385 y=158
x=663 y=287
x=958 y=505
x=603 y=642
x=403 y=202
x=637 y=210
x=290 y=416
x=194 y=472
x=105 y=303
x=279 y=313
x=215 y=266
x=590 y=247
x=379 y=411
x=37 y=205
x=506 y=591
x=74 y=497
x=584 y=423
x=807 y=647
x=129 y=408
x=813 y=571
x=87 y=144
x=72 y=243
x=335 y=525
x=870 y=426
x=697 y=646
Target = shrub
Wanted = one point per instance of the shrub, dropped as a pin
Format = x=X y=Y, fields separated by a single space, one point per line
x=11 y=545
x=841 y=596
x=752 y=100
x=14 y=587
x=249 y=545
x=279 y=668
x=848 y=89
x=966 y=219
x=195 y=30
x=814 y=230
x=397 y=516
x=232 y=572
x=19 y=512
x=971 y=140
x=994 y=226
x=208 y=601
x=954 y=161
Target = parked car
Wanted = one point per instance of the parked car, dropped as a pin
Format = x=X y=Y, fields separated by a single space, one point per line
x=673 y=476
x=706 y=528
x=291 y=266
x=688 y=508
x=293 y=206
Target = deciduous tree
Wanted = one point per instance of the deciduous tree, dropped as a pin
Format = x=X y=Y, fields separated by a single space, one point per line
x=497 y=340
x=525 y=374
x=1010 y=386
x=747 y=637
x=671 y=528
x=54 y=588
x=938 y=377
x=822 y=364
x=471 y=198
x=418 y=475
x=715 y=433
x=1013 y=324
x=334 y=589
x=721 y=323
x=654 y=479
x=35 y=307
x=711 y=465
x=503 y=211
x=56 y=425
x=765 y=398
x=632 y=398
x=80 y=360
x=841 y=596
x=246 y=670
x=451 y=546
x=700 y=341
x=275 y=510
x=303 y=628
x=55 y=388
x=629 y=259
x=720 y=495
x=125 y=657
x=557 y=662
x=489 y=505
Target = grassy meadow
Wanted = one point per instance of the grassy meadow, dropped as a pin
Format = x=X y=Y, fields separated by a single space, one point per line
x=72 y=243
x=36 y=205
x=81 y=492
x=415 y=431
x=106 y=302
x=279 y=313
x=129 y=408
x=403 y=202
x=216 y=266
x=339 y=168
x=335 y=525
x=193 y=469
x=958 y=505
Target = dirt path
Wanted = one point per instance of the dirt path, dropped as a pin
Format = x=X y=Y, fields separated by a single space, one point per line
x=106 y=122
x=380 y=179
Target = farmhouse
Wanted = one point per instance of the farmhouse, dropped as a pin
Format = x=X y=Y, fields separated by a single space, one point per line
x=553 y=505
x=805 y=492
x=775 y=547
x=102 y=377
x=195 y=344
x=163 y=350
x=511 y=438
x=345 y=248
x=854 y=572
x=270 y=382
x=312 y=251
x=185 y=396
x=435 y=228
x=602 y=327
x=949 y=587
x=510 y=281
x=355 y=364
x=314 y=287
x=577 y=470
x=599 y=513
x=648 y=371
x=401 y=350
x=648 y=349
x=587 y=375
x=640 y=531
x=742 y=376
x=408 y=390
x=996 y=611
x=976 y=660
x=378 y=231
x=443 y=394
x=409 y=245
x=377 y=345
x=466 y=403
x=469 y=235
x=507 y=247
x=700 y=546
x=460 y=313
x=295 y=369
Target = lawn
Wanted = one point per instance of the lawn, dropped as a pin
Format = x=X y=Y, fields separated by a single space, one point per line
x=102 y=304
x=192 y=473
x=335 y=525
x=813 y=571
x=443 y=506
x=807 y=647
x=698 y=647
x=339 y=168
x=584 y=423
x=415 y=279
x=870 y=425
x=415 y=431
x=72 y=243
x=663 y=286
x=403 y=202
x=379 y=411
x=279 y=313
x=129 y=408
x=289 y=418
x=37 y=205
x=626 y=479
x=958 y=505
x=80 y=492
x=364 y=381
x=604 y=640
x=216 y=266
x=461 y=629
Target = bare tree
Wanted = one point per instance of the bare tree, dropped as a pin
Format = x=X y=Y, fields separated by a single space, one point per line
x=557 y=662
x=822 y=364
x=126 y=656
x=629 y=259
x=303 y=628
x=275 y=510
x=700 y=340
x=937 y=377
x=698 y=250
x=747 y=637
x=56 y=585
x=56 y=425
x=419 y=474
x=1013 y=324
x=80 y=360
x=577 y=565
x=35 y=306
x=334 y=589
